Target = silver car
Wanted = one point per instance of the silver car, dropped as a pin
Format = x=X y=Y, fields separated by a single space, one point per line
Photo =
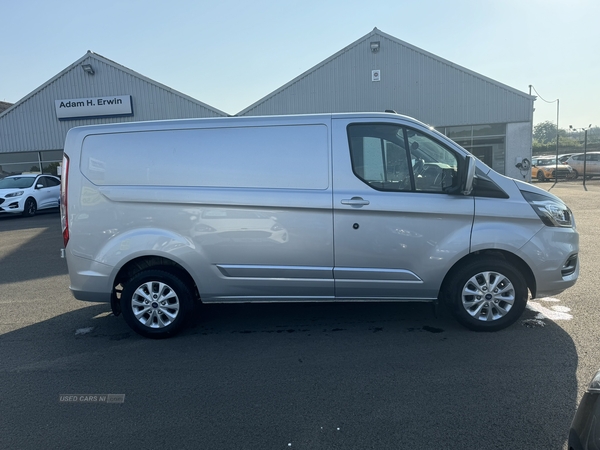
x=584 y=433
x=591 y=160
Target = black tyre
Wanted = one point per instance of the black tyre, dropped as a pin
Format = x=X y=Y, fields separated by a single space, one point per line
x=575 y=174
x=540 y=176
x=155 y=303
x=30 y=208
x=487 y=294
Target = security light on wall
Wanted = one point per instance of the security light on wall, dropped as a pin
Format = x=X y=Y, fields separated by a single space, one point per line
x=87 y=68
x=375 y=46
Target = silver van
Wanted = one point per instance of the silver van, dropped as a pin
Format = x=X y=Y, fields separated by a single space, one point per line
x=158 y=216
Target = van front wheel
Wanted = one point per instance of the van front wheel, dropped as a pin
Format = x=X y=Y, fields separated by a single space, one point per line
x=155 y=303
x=487 y=295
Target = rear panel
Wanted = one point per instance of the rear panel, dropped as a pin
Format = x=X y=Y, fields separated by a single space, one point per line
x=245 y=209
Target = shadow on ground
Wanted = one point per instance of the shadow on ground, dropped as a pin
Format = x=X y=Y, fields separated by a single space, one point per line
x=27 y=261
x=310 y=376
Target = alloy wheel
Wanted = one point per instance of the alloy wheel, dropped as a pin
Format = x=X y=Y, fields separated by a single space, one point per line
x=155 y=304
x=488 y=296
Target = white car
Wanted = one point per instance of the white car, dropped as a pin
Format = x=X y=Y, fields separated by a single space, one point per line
x=27 y=193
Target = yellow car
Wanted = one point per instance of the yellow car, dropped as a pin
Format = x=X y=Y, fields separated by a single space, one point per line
x=543 y=168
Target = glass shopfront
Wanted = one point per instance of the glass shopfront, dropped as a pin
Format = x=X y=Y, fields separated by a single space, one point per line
x=486 y=142
x=17 y=163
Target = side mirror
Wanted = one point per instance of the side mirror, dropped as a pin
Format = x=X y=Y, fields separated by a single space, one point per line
x=469 y=176
x=39 y=186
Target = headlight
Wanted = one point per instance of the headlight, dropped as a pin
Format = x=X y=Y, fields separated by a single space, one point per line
x=595 y=383
x=14 y=194
x=552 y=212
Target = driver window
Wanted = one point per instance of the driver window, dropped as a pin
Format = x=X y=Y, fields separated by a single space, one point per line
x=434 y=166
x=393 y=158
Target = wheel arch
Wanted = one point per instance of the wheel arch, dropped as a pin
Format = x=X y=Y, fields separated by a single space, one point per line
x=511 y=258
x=136 y=265
x=25 y=203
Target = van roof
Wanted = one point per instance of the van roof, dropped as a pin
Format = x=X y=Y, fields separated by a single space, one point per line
x=237 y=120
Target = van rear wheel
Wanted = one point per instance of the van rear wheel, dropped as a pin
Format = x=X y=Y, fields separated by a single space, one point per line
x=155 y=303
x=487 y=295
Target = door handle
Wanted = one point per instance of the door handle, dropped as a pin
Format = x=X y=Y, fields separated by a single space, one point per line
x=355 y=201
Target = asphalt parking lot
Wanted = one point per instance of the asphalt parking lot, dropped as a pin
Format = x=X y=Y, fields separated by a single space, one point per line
x=325 y=376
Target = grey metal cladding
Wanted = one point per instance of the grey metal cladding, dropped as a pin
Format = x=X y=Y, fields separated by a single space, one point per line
x=412 y=82
x=31 y=123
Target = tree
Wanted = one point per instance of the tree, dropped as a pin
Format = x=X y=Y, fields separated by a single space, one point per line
x=544 y=133
x=570 y=141
x=593 y=135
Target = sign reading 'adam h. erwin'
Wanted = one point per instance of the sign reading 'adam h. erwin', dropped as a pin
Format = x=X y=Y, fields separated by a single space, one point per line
x=86 y=108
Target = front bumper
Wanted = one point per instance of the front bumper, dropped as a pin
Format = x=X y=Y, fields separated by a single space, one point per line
x=14 y=205
x=552 y=255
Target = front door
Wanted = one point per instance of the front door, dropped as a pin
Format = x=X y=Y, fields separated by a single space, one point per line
x=400 y=221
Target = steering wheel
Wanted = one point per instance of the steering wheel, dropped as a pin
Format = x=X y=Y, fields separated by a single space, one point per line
x=434 y=173
x=418 y=167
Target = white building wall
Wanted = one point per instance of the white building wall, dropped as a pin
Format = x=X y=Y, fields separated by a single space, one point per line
x=518 y=145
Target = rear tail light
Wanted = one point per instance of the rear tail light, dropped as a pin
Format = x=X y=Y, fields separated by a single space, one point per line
x=64 y=201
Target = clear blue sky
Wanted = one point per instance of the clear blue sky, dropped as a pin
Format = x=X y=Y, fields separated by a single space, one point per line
x=231 y=53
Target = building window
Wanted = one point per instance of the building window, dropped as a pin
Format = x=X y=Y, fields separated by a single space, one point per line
x=19 y=162
x=50 y=161
x=486 y=142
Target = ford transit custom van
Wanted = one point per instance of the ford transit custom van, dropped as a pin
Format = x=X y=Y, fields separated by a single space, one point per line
x=158 y=216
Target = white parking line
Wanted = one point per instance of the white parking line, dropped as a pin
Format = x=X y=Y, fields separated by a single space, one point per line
x=554 y=312
x=85 y=330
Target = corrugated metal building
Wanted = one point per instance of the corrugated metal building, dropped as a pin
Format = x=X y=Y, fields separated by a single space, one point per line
x=380 y=72
x=92 y=90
